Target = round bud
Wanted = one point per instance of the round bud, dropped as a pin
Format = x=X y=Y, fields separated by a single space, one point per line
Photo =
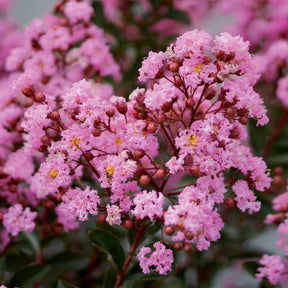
x=188 y=248
x=172 y=66
x=178 y=246
x=160 y=173
x=207 y=60
x=110 y=112
x=278 y=170
x=230 y=202
x=234 y=134
x=88 y=156
x=230 y=112
x=39 y=97
x=244 y=120
x=127 y=224
x=139 y=153
x=277 y=179
x=54 y=115
x=152 y=128
x=144 y=179
x=195 y=170
x=29 y=91
x=189 y=235
x=96 y=132
x=101 y=218
x=122 y=108
x=169 y=230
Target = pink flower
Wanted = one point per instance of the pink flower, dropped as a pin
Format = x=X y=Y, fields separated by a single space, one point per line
x=78 y=11
x=81 y=202
x=113 y=214
x=245 y=198
x=273 y=268
x=193 y=42
x=18 y=219
x=151 y=65
x=161 y=258
x=148 y=204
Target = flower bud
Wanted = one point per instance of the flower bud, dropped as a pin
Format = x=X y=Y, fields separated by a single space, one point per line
x=160 y=173
x=178 y=246
x=188 y=248
x=110 y=112
x=101 y=218
x=173 y=66
x=169 y=230
x=96 y=132
x=39 y=97
x=127 y=224
x=139 y=153
x=144 y=179
x=195 y=170
x=29 y=91
x=122 y=108
x=54 y=115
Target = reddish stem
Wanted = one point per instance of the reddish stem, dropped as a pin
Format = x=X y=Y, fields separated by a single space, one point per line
x=136 y=242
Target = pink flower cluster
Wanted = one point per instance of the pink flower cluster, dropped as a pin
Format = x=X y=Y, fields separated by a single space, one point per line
x=189 y=121
x=275 y=266
x=161 y=258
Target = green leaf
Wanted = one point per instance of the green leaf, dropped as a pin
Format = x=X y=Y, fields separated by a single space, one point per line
x=251 y=267
x=26 y=277
x=109 y=244
x=64 y=284
x=14 y=262
x=110 y=277
x=68 y=261
x=33 y=240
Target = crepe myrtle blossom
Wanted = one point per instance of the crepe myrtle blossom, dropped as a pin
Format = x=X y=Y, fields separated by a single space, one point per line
x=161 y=258
x=18 y=219
x=274 y=267
x=100 y=155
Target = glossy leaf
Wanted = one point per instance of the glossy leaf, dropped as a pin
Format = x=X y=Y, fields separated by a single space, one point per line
x=68 y=261
x=26 y=277
x=109 y=244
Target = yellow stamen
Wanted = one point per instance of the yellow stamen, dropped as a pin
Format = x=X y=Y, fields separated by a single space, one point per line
x=198 y=68
x=53 y=173
x=75 y=142
x=192 y=139
x=118 y=141
x=110 y=170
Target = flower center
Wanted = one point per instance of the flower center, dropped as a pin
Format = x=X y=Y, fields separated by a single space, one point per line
x=53 y=173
